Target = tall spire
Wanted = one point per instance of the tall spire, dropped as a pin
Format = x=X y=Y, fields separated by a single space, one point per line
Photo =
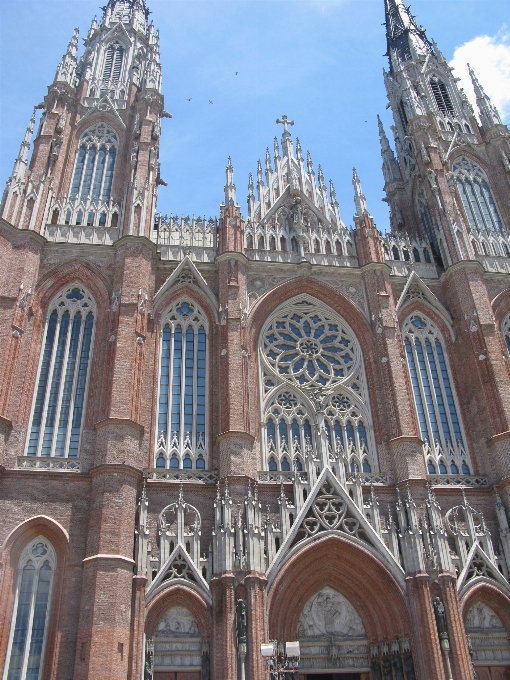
x=489 y=115
x=359 y=197
x=21 y=162
x=230 y=187
x=134 y=12
x=67 y=68
x=403 y=33
x=390 y=166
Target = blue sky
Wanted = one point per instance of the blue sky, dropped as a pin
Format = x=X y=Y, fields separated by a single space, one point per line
x=319 y=62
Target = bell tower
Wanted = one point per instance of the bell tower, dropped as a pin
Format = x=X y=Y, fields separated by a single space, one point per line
x=449 y=186
x=94 y=165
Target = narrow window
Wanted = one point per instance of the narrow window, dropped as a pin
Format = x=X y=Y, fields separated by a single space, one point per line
x=443 y=101
x=31 y=611
x=60 y=397
x=435 y=401
x=183 y=385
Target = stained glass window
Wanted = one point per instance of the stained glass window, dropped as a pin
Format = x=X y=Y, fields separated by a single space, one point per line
x=31 y=611
x=182 y=415
x=60 y=396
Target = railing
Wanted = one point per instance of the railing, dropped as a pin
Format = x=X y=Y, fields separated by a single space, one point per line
x=63 y=233
x=473 y=481
x=166 y=475
x=53 y=464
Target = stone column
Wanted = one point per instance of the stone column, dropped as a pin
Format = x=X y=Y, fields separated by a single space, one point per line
x=459 y=653
x=426 y=649
x=257 y=623
x=137 y=627
x=224 y=653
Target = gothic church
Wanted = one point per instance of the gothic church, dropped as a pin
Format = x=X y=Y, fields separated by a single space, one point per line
x=262 y=427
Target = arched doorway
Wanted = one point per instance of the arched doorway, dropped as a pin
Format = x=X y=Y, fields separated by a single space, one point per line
x=489 y=642
x=332 y=637
x=178 y=647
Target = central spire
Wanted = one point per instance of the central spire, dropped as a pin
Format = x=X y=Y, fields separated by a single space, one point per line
x=402 y=32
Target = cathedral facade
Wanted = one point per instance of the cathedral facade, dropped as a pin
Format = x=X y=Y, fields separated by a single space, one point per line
x=220 y=434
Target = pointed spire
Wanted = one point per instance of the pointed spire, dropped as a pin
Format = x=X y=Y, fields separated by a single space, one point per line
x=489 y=115
x=276 y=149
x=92 y=28
x=21 y=162
x=259 y=173
x=67 y=68
x=320 y=177
x=391 y=170
x=309 y=164
x=230 y=187
x=403 y=35
x=251 y=195
x=359 y=197
x=268 y=161
x=332 y=193
x=299 y=152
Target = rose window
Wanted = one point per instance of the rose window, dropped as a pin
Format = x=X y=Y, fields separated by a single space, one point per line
x=310 y=348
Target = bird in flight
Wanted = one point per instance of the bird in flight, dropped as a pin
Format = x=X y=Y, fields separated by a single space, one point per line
x=237 y=72
x=189 y=99
x=210 y=102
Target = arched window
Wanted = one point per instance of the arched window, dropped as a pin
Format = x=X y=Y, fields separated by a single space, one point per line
x=113 y=64
x=182 y=417
x=61 y=394
x=434 y=397
x=476 y=196
x=442 y=97
x=505 y=329
x=29 y=625
x=95 y=165
x=249 y=242
x=403 y=115
x=304 y=348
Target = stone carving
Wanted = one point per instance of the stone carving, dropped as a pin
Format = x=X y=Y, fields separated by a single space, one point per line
x=482 y=617
x=177 y=622
x=241 y=621
x=329 y=613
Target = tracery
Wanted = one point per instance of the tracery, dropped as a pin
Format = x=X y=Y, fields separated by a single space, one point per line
x=435 y=399
x=308 y=352
x=60 y=397
x=182 y=426
x=477 y=198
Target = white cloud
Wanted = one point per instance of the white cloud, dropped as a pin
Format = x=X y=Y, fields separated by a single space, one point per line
x=490 y=60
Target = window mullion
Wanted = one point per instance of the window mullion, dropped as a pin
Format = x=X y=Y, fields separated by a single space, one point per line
x=182 y=394
x=105 y=169
x=48 y=385
x=58 y=407
x=195 y=392
x=422 y=390
x=30 y=623
x=82 y=178
x=73 y=386
x=443 y=392
x=439 y=422
x=169 y=434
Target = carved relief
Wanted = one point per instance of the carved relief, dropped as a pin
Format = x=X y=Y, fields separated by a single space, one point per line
x=177 y=622
x=328 y=612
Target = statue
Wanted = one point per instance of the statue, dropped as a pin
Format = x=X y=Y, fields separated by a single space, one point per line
x=241 y=621
x=148 y=671
x=386 y=668
x=397 y=666
x=206 y=665
x=375 y=667
x=409 y=665
x=440 y=618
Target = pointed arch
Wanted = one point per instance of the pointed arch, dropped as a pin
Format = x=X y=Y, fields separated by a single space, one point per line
x=476 y=195
x=183 y=596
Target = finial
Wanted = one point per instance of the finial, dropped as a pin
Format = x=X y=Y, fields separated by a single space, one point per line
x=320 y=177
x=309 y=164
x=218 y=491
x=276 y=148
x=285 y=122
x=359 y=198
x=299 y=152
x=181 y=495
x=259 y=172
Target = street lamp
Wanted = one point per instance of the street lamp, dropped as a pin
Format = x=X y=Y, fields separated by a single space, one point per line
x=281 y=659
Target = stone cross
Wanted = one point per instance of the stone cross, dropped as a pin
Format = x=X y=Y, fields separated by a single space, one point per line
x=285 y=122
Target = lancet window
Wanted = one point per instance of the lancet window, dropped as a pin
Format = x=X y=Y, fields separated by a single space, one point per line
x=182 y=417
x=476 y=196
x=434 y=398
x=61 y=395
x=505 y=328
x=112 y=68
x=29 y=627
x=442 y=97
x=309 y=355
